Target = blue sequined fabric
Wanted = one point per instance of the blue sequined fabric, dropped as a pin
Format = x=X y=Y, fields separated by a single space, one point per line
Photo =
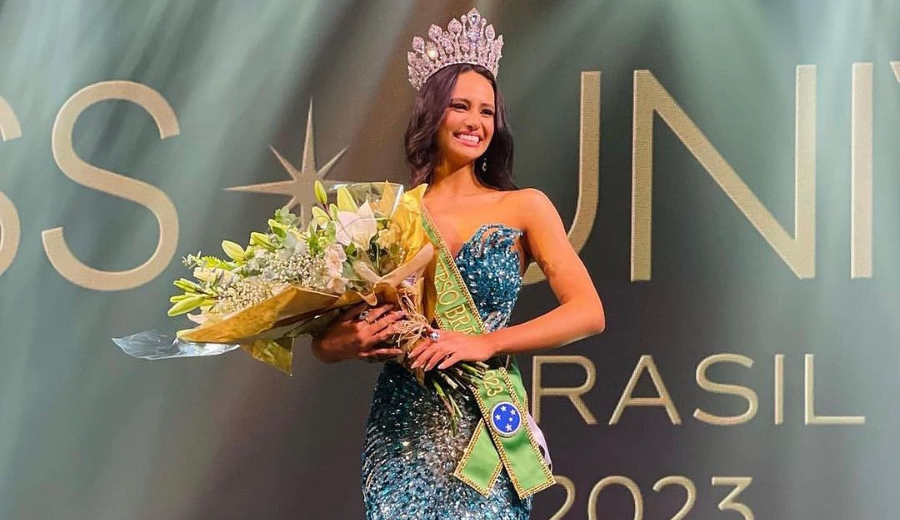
x=410 y=451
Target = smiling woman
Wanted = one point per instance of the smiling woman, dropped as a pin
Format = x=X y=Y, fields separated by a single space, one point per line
x=461 y=113
x=417 y=463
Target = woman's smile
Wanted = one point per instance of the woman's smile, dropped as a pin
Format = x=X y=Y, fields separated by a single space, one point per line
x=467 y=126
x=468 y=139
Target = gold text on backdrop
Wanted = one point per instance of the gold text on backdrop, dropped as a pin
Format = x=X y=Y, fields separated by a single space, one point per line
x=650 y=99
x=10 y=226
x=662 y=399
x=147 y=195
x=738 y=483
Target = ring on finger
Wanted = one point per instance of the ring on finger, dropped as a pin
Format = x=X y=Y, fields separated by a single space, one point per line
x=434 y=335
x=364 y=315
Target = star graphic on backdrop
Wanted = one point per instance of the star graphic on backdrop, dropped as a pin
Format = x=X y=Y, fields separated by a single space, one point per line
x=300 y=187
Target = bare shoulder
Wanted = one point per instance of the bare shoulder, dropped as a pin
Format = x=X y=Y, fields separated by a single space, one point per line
x=532 y=206
x=533 y=195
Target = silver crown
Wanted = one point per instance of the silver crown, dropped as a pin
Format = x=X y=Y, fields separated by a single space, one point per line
x=468 y=39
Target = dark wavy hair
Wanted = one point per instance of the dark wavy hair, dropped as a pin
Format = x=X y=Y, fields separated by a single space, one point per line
x=422 y=152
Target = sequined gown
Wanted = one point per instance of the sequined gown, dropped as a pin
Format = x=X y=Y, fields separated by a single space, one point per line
x=410 y=451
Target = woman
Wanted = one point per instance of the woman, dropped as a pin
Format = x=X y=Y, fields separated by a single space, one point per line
x=458 y=142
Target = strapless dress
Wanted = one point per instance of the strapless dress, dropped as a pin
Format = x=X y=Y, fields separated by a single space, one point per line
x=410 y=450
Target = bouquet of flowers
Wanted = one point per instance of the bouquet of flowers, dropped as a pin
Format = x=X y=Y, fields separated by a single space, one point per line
x=368 y=245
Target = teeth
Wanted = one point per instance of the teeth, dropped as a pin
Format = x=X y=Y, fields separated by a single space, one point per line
x=470 y=138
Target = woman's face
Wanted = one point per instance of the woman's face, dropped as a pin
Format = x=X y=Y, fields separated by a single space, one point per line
x=468 y=124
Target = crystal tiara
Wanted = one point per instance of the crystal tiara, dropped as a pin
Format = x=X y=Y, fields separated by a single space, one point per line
x=468 y=39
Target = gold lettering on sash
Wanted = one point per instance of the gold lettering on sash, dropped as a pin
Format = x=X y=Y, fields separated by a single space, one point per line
x=448 y=296
x=459 y=318
x=492 y=384
x=447 y=293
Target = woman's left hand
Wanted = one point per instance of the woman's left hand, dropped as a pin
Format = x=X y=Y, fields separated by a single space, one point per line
x=451 y=348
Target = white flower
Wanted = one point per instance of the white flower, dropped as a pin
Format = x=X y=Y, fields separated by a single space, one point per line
x=204 y=275
x=213 y=275
x=334 y=260
x=334 y=268
x=356 y=227
x=365 y=272
x=388 y=236
x=336 y=285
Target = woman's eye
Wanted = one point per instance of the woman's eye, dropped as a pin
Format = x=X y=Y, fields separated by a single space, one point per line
x=459 y=106
x=487 y=112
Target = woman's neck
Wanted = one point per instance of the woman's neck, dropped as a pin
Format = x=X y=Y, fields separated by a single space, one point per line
x=452 y=181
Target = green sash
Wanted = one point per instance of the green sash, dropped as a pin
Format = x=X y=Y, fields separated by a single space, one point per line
x=502 y=437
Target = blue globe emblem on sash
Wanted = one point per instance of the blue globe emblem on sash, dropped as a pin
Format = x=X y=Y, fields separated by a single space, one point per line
x=506 y=419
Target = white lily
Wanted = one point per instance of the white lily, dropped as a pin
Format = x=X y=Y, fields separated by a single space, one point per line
x=365 y=272
x=356 y=227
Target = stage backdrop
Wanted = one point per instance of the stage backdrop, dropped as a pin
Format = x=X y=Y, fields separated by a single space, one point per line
x=727 y=171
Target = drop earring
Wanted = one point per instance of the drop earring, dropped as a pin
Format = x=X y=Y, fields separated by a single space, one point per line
x=484 y=165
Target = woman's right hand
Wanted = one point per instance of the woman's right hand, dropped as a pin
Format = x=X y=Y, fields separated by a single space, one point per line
x=348 y=337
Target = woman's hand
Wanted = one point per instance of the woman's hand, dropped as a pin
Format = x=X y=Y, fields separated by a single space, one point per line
x=349 y=337
x=451 y=348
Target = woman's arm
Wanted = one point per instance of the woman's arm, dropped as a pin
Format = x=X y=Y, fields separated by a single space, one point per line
x=579 y=315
